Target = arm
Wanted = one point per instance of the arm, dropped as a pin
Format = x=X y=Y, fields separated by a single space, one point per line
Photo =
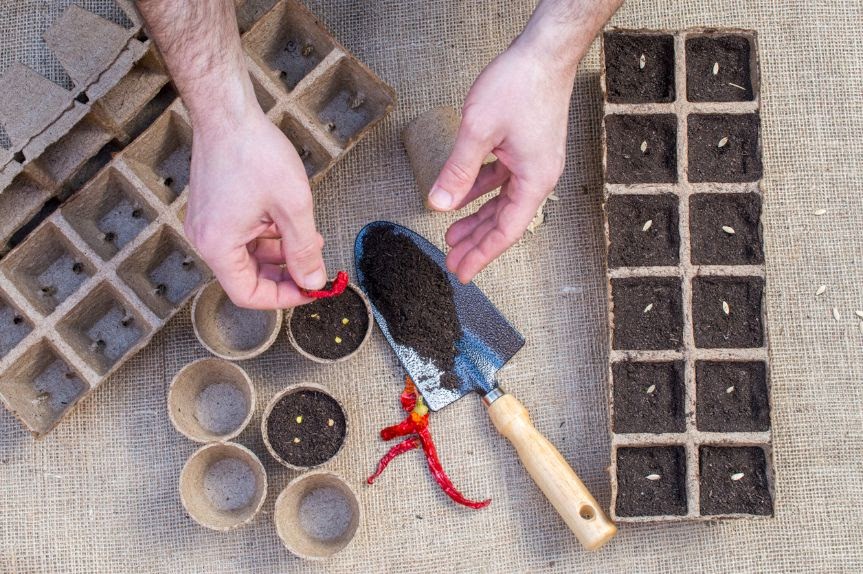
x=517 y=109
x=250 y=206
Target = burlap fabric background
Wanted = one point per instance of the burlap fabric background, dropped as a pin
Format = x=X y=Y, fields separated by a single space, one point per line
x=100 y=493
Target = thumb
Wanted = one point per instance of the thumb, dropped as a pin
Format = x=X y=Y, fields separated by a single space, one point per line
x=460 y=171
x=301 y=242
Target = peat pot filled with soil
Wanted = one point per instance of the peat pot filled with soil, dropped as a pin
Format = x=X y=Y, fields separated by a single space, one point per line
x=331 y=329
x=304 y=426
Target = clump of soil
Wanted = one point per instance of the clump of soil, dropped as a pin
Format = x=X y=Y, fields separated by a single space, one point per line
x=731 y=396
x=651 y=481
x=642 y=148
x=331 y=327
x=414 y=296
x=643 y=230
x=647 y=313
x=639 y=68
x=729 y=57
x=306 y=428
x=724 y=148
x=737 y=323
x=648 y=397
x=734 y=481
x=725 y=229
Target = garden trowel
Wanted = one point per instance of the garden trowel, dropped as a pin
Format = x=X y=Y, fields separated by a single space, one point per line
x=488 y=341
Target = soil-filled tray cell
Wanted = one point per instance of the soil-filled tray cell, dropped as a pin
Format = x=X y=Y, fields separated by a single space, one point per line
x=109 y=213
x=734 y=481
x=641 y=148
x=651 y=481
x=162 y=156
x=731 y=396
x=164 y=272
x=346 y=100
x=724 y=148
x=718 y=69
x=40 y=387
x=639 y=68
x=315 y=158
x=648 y=397
x=14 y=326
x=647 y=313
x=47 y=269
x=725 y=229
x=290 y=42
x=727 y=313
x=102 y=328
x=643 y=230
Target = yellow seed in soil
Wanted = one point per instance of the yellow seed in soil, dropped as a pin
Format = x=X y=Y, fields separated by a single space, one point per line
x=300 y=419
x=647 y=225
x=722 y=143
x=737 y=476
x=836 y=313
x=648 y=308
x=650 y=389
x=296 y=440
x=715 y=68
x=728 y=230
x=330 y=422
x=729 y=390
x=820 y=291
x=315 y=316
x=820 y=212
x=345 y=321
x=338 y=340
x=726 y=308
x=652 y=477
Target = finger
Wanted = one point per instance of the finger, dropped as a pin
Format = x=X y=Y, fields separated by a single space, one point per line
x=465 y=226
x=491 y=176
x=267 y=251
x=301 y=242
x=460 y=171
x=240 y=276
x=471 y=240
x=271 y=232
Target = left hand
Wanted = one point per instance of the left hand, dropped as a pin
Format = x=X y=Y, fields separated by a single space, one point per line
x=518 y=110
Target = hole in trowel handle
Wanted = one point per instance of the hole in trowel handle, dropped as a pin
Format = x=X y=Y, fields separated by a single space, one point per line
x=586 y=512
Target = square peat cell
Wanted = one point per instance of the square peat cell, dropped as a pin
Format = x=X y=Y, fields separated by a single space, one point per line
x=734 y=481
x=162 y=156
x=725 y=229
x=14 y=326
x=724 y=148
x=313 y=155
x=639 y=68
x=726 y=312
x=647 y=313
x=718 y=68
x=641 y=148
x=651 y=481
x=731 y=396
x=643 y=230
x=648 y=397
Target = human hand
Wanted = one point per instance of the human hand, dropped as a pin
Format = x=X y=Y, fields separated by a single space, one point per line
x=250 y=212
x=518 y=110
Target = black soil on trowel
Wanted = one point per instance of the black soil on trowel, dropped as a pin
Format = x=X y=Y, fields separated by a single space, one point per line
x=414 y=296
x=299 y=428
x=331 y=327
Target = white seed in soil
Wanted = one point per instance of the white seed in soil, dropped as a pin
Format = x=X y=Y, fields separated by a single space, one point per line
x=739 y=87
x=726 y=308
x=820 y=291
x=736 y=476
x=652 y=477
x=727 y=229
x=644 y=146
x=715 y=68
x=642 y=61
x=820 y=212
x=722 y=143
x=650 y=389
x=729 y=390
x=836 y=313
x=648 y=308
x=859 y=313
x=647 y=225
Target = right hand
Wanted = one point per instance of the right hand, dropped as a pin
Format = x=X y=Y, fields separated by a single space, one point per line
x=250 y=213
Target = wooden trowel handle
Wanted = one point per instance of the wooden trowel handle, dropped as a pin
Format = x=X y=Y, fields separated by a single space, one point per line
x=552 y=473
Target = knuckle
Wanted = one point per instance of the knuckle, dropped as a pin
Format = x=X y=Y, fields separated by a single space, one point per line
x=458 y=173
x=306 y=252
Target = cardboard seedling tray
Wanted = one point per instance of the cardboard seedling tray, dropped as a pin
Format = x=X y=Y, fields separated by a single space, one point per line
x=91 y=285
x=689 y=366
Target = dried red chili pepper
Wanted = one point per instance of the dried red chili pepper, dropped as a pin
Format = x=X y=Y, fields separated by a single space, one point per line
x=416 y=423
x=340 y=283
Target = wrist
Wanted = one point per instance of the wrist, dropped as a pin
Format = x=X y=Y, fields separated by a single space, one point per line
x=215 y=109
x=552 y=46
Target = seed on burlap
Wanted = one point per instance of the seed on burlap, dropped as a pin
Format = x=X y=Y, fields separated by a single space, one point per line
x=736 y=476
x=728 y=230
x=652 y=477
x=859 y=313
x=647 y=225
x=820 y=291
x=820 y=212
x=836 y=313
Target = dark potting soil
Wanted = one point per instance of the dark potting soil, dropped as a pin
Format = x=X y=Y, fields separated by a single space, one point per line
x=664 y=493
x=648 y=397
x=627 y=162
x=732 y=81
x=414 y=296
x=627 y=82
x=318 y=441
x=721 y=493
x=319 y=327
x=741 y=327
x=731 y=396
x=630 y=245
x=647 y=313
x=710 y=213
x=737 y=160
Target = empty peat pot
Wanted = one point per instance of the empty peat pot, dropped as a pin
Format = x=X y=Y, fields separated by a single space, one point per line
x=317 y=515
x=211 y=400
x=231 y=332
x=331 y=329
x=304 y=426
x=223 y=485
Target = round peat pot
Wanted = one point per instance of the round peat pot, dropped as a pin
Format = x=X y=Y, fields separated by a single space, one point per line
x=304 y=426
x=332 y=329
x=231 y=332
x=223 y=486
x=317 y=515
x=211 y=400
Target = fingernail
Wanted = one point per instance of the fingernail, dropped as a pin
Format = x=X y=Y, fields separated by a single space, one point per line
x=316 y=279
x=440 y=198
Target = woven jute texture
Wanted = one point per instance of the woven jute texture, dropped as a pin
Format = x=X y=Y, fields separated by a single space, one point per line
x=100 y=493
